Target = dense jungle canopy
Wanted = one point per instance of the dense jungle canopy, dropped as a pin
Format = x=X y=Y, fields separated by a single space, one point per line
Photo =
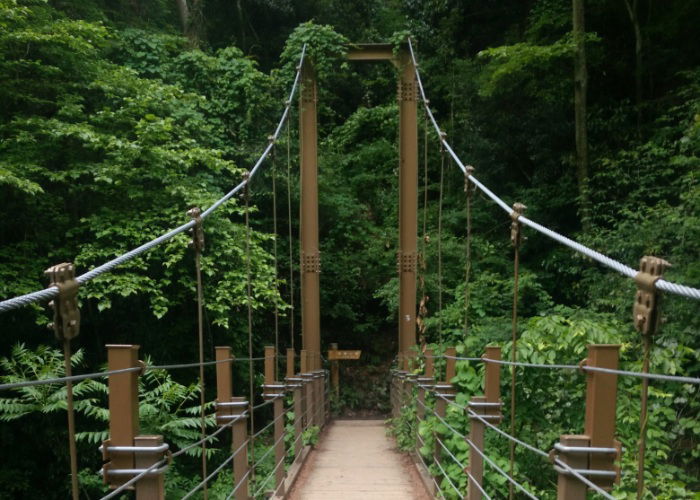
x=118 y=116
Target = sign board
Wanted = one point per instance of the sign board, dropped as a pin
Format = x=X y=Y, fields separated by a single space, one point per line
x=336 y=355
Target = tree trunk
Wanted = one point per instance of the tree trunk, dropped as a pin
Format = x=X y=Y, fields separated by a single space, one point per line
x=191 y=20
x=634 y=19
x=184 y=14
x=580 y=90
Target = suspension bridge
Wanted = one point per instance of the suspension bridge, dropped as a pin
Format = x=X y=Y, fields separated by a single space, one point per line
x=356 y=460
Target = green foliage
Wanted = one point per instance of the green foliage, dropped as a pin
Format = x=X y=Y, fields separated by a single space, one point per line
x=42 y=363
x=310 y=435
x=112 y=126
x=325 y=48
x=404 y=427
x=165 y=406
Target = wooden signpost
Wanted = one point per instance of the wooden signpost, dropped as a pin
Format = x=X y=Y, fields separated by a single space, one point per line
x=335 y=355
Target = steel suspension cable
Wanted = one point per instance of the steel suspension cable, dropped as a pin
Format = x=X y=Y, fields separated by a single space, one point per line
x=661 y=284
x=52 y=292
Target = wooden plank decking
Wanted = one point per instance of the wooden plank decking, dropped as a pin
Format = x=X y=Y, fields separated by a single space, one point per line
x=356 y=460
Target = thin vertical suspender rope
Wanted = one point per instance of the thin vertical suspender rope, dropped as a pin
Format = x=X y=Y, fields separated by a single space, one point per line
x=250 y=328
x=75 y=492
x=643 y=417
x=439 y=241
x=274 y=250
x=423 y=308
x=468 y=263
x=291 y=241
x=513 y=354
x=200 y=338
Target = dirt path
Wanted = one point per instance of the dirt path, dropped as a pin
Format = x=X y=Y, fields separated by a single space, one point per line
x=356 y=460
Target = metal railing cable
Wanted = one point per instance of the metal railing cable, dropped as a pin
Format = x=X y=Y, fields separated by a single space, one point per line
x=621 y=268
x=208 y=437
x=241 y=482
x=52 y=292
x=269 y=450
x=206 y=363
x=72 y=378
x=432 y=478
x=651 y=376
x=530 y=365
x=446 y=476
x=107 y=373
x=455 y=459
x=476 y=483
x=216 y=471
x=270 y=424
x=627 y=373
x=263 y=404
x=488 y=424
x=134 y=479
x=528 y=446
x=458 y=358
x=500 y=471
x=583 y=479
x=442 y=420
x=268 y=477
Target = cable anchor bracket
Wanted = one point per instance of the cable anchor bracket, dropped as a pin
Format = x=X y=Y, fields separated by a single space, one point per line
x=66 y=314
x=516 y=237
x=197 y=232
x=646 y=300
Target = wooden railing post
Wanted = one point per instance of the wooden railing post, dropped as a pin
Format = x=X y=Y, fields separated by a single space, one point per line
x=492 y=383
x=240 y=442
x=273 y=389
x=593 y=454
x=487 y=407
x=224 y=390
x=476 y=438
x=150 y=487
x=125 y=452
x=123 y=411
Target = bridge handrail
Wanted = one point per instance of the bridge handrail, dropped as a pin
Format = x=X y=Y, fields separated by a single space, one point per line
x=661 y=284
x=51 y=292
x=627 y=373
x=90 y=376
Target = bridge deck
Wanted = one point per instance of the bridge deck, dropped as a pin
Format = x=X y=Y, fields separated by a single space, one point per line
x=356 y=460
